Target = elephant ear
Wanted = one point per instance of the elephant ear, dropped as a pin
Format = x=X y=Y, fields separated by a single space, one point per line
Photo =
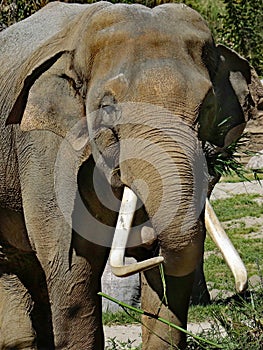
x=30 y=48
x=235 y=98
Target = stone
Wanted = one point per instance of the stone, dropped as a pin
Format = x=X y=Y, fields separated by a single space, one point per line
x=126 y=289
x=256 y=162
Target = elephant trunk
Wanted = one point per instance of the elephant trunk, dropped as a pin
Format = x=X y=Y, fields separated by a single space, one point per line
x=165 y=167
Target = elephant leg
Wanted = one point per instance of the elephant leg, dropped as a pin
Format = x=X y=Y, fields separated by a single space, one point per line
x=156 y=335
x=29 y=276
x=33 y=278
x=170 y=298
x=22 y=262
x=95 y=257
x=73 y=302
x=69 y=274
x=72 y=265
x=200 y=294
x=16 y=331
x=73 y=286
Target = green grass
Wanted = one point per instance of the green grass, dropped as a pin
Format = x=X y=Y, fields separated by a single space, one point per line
x=217 y=271
x=237 y=207
x=119 y=317
x=233 y=178
x=115 y=344
x=241 y=320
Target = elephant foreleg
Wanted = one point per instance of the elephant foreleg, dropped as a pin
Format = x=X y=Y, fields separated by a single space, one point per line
x=28 y=281
x=33 y=278
x=200 y=294
x=155 y=334
x=16 y=331
x=73 y=287
x=170 y=298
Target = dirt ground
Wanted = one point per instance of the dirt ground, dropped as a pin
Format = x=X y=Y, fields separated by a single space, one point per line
x=221 y=191
x=133 y=332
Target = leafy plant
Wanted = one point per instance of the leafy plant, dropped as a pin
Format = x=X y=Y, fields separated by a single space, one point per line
x=242 y=30
x=12 y=11
x=114 y=344
x=226 y=161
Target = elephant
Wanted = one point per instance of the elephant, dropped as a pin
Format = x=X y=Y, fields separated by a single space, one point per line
x=108 y=108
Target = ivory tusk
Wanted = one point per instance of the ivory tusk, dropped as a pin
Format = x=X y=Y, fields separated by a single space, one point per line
x=231 y=256
x=120 y=239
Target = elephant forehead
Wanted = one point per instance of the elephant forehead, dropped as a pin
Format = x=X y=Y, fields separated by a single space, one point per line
x=126 y=24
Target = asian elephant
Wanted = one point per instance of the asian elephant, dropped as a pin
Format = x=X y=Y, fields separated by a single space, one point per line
x=96 y=100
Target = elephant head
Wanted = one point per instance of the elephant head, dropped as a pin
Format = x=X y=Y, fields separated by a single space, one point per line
x=146 y=88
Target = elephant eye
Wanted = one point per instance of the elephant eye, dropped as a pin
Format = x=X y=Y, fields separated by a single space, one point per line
x=108 y=115
x=108 y=110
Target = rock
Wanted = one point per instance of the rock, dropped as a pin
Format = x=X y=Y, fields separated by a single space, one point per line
x=255 y=282
x=216 y=294
x=224 y=190
x=125 y=289
x=2 y=26
x=256 y=162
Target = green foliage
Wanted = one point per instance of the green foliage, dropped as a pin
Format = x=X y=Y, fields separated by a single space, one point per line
x=242 y=30
x=211 y=10
x=241 y=322
x=226 y=161
x=114 y=344
x=12 y=11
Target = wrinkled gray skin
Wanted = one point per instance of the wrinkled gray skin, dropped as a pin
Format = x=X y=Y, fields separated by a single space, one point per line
x=69 y=63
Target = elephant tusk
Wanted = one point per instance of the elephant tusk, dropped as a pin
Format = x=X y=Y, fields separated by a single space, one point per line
x=231 y=256
x=120 y=239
